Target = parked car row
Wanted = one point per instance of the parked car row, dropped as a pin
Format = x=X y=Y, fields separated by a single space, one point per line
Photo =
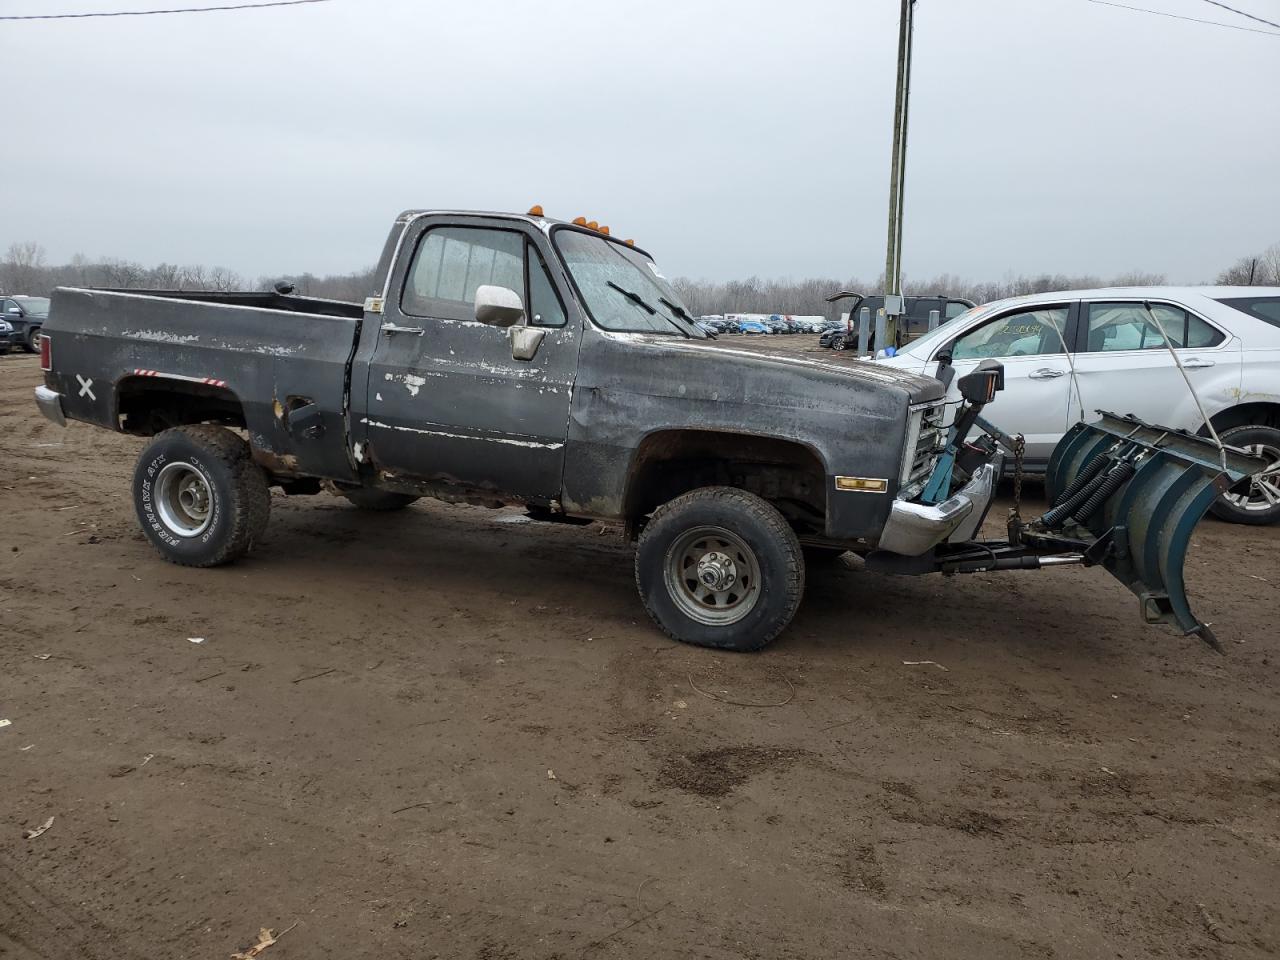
x=777 y=323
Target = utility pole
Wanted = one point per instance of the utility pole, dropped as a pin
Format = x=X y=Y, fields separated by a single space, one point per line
x=897 y=178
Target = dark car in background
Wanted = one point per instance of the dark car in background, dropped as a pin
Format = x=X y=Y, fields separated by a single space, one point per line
x=6 y=337
x=844 y=336
x=26 y=315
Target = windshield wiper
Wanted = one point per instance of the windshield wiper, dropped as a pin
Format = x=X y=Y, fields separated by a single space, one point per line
x=684 y=315
x=644 y=304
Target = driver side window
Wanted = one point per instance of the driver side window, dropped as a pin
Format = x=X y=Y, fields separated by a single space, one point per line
x=451 y=263
x=1027 y=333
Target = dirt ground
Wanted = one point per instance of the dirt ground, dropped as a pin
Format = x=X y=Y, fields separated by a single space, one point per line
x=447 y=733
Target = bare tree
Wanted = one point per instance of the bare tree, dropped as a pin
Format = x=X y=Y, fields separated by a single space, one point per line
x=20 y=271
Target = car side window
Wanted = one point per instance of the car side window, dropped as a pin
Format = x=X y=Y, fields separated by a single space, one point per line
x=544 y=308
x=954 y=309
x=451 y=263
x=1127 y=326
x=1026 y=333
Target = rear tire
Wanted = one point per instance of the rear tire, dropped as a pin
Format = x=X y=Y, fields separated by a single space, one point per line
x=837 y=343
x=1256 y=500
x=369 y=498
x=720 y=567
x=200 y=498
x=31 y=343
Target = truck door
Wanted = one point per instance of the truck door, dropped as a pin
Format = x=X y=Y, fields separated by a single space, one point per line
x=446 y=400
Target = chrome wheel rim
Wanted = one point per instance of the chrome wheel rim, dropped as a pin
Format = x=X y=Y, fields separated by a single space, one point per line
x=712 y=576
x=1262 y=490
x=184 y=500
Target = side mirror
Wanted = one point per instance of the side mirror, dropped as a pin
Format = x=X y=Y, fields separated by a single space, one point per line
x=981 y=386
x=498 y=306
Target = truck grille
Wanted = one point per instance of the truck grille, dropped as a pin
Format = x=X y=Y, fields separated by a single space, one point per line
x=926 y=437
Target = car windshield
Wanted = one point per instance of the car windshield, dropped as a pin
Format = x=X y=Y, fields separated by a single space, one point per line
x=36 y=306
x=622 y=289
x=923 y=344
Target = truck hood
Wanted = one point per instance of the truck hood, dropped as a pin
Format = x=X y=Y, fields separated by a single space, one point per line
x=829 y=365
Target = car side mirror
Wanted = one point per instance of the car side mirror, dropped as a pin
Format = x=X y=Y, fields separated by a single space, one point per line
x=498 y=306
x=981 y=386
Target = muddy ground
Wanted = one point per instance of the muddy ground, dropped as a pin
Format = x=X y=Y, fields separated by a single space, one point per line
x=446 y=734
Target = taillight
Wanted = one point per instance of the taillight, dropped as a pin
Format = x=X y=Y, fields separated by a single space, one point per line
x=46 y=352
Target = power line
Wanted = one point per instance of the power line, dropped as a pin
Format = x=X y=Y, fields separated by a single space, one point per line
x=1175 y=16
x=1248 y=16
x=151 y=13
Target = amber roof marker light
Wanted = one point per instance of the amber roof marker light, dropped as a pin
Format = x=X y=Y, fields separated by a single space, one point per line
x=579 y=221
x=536 y=211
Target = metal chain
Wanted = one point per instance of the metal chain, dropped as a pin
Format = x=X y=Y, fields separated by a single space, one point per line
x=1019 y=445
x=1015 y=512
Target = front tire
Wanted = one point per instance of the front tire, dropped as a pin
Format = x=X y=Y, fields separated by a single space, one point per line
x=200 y=498
x=720 y=567
x=1257 y=499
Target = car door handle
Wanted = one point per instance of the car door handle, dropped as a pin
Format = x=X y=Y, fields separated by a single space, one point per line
x=1046 y=373
x=1195 y=363
x=391 y=328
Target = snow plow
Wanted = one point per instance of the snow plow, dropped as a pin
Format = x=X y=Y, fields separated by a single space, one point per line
x=1124 y=495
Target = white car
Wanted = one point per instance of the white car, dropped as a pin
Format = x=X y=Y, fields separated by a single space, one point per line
x=1071 y=353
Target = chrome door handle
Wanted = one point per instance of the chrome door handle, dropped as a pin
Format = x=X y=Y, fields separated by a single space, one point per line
x=1195 y=363
x=389 y=328
x=1046 y=373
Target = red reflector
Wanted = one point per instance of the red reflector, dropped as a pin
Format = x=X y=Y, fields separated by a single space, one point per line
x=46 y=352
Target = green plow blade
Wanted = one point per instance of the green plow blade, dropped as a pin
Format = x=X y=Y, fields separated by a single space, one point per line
x=1131 y=494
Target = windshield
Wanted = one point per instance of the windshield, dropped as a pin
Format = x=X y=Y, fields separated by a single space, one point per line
x=622 y=289
x=36 y=306
x=922 y=345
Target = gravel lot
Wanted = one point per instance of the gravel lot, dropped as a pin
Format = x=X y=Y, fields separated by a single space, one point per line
x=451 y=733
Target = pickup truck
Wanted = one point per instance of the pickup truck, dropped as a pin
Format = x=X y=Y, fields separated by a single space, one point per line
x=516 y=359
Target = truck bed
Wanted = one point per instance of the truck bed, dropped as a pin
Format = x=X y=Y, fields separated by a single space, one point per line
x=279 y=362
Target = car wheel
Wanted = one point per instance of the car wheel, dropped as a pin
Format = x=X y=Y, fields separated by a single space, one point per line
x=32 y=342
x=720 y=567
x=368 y=498
x=199 y=496
x=1257 y=499
x=837 y=342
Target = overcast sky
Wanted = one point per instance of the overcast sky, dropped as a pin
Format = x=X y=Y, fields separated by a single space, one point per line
x=729 y=138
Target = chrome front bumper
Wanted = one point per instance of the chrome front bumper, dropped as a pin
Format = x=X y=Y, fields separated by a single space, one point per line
x=916 y=528
x=50 y=404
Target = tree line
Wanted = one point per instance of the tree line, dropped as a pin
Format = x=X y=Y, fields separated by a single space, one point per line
x=25 y=270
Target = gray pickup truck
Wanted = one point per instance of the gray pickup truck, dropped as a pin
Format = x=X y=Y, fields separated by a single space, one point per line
x=516 y=359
